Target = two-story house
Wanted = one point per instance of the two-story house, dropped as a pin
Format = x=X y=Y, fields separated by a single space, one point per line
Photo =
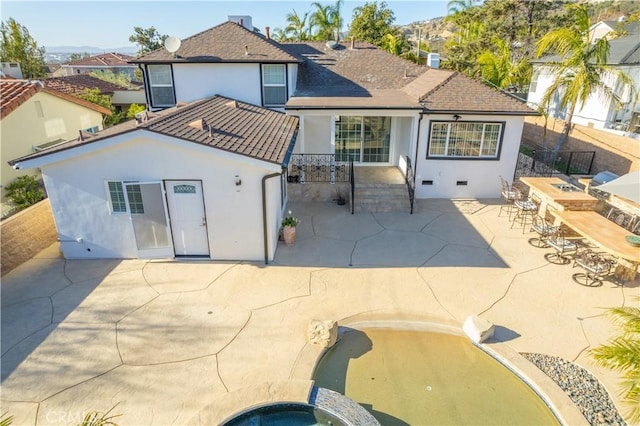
x=117 y=63
x=207 y=175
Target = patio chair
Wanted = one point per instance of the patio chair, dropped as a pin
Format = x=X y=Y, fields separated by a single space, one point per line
x=562 y=247
x=622 y=218
x=544 y=228
x=526 y=209
x=595 y=268
x=508 y=195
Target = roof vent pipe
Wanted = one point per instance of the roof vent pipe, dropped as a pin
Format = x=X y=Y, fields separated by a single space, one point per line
x=246 y=50
x=266 y=31
x=353 y=42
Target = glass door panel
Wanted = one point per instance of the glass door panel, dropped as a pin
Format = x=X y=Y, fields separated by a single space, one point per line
x=149 y=218
x=376 y=139
x=348 y=138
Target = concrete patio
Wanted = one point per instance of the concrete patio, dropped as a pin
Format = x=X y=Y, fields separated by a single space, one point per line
x=188 y=342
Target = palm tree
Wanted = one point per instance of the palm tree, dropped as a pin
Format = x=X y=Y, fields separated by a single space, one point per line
x=623 y=354
x=582 y=63
x=327 y=21
x=296 y=27
x=279 y=34
x=455 y=6
x=497 y=67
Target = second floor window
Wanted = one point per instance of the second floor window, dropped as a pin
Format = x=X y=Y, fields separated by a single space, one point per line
x=161 y=86
x=274 y=85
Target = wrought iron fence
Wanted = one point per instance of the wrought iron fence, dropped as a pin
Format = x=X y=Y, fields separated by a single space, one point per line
x=543 y=162
x=318 y=168
x=410 y=180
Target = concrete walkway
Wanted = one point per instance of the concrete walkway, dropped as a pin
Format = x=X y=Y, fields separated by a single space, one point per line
x=175 y=342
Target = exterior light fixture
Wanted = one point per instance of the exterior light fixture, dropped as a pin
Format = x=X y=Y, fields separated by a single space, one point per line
x=456 y=117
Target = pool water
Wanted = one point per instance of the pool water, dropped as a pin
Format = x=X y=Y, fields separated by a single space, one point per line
x=419 y=378
x=282 y=414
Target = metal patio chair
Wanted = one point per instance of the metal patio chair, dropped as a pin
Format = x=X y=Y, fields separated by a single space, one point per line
x=508 y=195
x=595 y=268
x=563 y=248
x=526 y=209
x=544 y=228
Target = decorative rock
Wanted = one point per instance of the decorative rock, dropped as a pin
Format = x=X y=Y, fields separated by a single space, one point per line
x=478 y=329
x=323 y=333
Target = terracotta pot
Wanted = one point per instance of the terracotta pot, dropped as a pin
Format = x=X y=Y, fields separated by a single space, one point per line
x=289 y=235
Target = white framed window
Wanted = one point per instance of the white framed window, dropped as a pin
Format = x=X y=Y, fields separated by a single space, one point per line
x=468 y=139
x=274 y=84
x=93 y=129
x=121 y=204
x=161 y=85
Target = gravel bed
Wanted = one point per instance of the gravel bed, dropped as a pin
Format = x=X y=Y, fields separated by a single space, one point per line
x=585 y=391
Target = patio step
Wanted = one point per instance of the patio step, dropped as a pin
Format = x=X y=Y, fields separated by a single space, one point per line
x=381 y=198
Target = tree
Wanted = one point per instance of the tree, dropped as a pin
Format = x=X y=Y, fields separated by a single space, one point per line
x=278 y=34
x=579 y=71
x=498 y=68
x=623 y=354
x=17 y=45
x=119 y=79
x=24 y=191
x=455 y=6
x=296 y=28
x=94 y=96
x=372 y=22
x=78 y=56
x=148 y=39
x=325 y=20
x=135 y=109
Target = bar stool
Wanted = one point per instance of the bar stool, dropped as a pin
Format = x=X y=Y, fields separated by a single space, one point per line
x=526 y=209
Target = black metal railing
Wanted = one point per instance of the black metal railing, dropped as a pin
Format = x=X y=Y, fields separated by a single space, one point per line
x=318 y=168
x=542 y=162
x=352 y=180
x=410 y=180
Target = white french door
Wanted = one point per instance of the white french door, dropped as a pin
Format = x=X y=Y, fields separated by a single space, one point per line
x=188 y=218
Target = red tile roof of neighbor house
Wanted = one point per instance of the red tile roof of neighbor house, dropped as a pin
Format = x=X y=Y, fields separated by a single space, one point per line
x=110 y=59
x=14 y=93
x=227 y=42
x=217 y=122
x=76 y=84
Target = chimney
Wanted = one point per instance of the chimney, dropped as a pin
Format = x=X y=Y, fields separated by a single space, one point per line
x=266 y=31
x=353 y=42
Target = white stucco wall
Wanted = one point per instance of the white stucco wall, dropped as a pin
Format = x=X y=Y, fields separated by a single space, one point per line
x=25 y=128
x=482 y=175
x=80 y=205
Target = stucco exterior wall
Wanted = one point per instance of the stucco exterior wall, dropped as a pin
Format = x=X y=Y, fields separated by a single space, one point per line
x=25 y=234
x=79 y=198
x=25 y=128
x=482 y=175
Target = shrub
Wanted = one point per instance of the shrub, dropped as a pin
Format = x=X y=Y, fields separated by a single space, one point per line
x=24 y=191
x=135 y=109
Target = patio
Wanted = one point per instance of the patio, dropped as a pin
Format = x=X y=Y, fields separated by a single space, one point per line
x=180 y=342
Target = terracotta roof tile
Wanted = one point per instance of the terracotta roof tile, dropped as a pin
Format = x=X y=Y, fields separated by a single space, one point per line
x=243 y=129
x=76 y=84
x=14 y=93
x=110 y=59
x=223 y=43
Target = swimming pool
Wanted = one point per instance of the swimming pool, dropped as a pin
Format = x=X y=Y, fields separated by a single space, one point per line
x=423 y=377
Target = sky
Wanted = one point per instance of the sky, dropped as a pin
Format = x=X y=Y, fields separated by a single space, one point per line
x=109 y=23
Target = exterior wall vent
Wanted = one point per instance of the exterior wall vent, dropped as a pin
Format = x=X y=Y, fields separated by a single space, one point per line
x=461 y=183
x=427 y=182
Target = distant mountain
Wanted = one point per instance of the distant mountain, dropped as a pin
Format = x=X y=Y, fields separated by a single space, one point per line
x=128 y=50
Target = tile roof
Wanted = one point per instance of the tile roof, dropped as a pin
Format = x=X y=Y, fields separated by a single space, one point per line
x=110 y=59
x=15 y=92
x=223 y=43
x=459 y=93
x=76 y=84
x=236 y=127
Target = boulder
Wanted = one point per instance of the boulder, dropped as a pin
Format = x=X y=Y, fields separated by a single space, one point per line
x=323 y=333
x=478 y=329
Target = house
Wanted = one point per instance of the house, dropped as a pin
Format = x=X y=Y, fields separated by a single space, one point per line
x=111 y=61
x=11 y=70
x=624 y=55
x=199 y=180
x=355 y=102
x=33 y=117
x=234 y=109
x=75 y=85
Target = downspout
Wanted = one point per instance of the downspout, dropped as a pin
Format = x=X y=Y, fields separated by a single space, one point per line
x=415 y=159
x=264 y=215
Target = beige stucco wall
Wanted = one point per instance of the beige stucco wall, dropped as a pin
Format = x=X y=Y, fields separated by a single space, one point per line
x=25 y=234
x=25 y=128
x=618 y=154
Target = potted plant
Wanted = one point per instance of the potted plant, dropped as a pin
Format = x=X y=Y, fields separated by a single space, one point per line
x=340 y=198
x=289 y=224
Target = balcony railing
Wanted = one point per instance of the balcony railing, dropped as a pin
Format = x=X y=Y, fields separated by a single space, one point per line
x=318 y=168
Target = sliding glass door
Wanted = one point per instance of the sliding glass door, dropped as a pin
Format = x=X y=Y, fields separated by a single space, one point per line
x=363 y=139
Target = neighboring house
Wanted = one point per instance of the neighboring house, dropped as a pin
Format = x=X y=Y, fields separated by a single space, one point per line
x=33 y=117
x=11 y=70
x=75 y=85
x=201 y=180
x=114 y=62
x=624 y=55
